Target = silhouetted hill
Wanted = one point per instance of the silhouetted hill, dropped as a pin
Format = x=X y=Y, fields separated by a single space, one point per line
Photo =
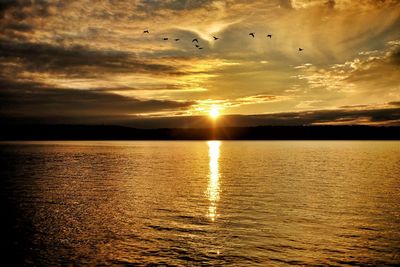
x=102 y=132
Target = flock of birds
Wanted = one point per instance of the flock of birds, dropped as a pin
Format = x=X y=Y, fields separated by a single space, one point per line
x=195 y=41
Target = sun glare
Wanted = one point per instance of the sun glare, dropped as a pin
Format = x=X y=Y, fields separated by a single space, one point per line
x=214 y=113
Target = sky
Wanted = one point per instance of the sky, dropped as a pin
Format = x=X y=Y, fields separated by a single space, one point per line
x=90 y=62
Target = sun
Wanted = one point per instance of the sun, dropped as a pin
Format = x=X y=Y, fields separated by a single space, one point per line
x=214 y=113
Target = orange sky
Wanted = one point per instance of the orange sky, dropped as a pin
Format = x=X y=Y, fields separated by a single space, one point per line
x=76 y=61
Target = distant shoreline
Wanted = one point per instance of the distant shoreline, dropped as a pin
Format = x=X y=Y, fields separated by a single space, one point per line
x=109 y=132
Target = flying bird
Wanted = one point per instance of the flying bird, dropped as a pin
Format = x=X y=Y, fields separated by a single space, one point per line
x=177 y=39
x=301 y=49
x=269 y=35
x=146 y=31
x=252 y=34
x=195 y=40
x=165 y=39
x=215 y=38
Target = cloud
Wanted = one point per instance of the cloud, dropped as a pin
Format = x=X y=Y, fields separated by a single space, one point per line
x=101 y=51
x=355 y=106
x=345 y=4
x=77 y=60
x=381 y=117
x=36 y=100
x=285 y=3
x=331 y=116
x=360 y=77
x=395 y=103
x=308 y=104
x=224 y=104
x=82 y=68
x=173 y=4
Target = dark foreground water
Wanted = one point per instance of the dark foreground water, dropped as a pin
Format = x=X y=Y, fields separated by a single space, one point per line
x=200 y=203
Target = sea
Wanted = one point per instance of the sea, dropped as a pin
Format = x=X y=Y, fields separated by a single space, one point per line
x=200 y=203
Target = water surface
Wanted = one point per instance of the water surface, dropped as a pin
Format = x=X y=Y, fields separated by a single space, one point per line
x=201 y=203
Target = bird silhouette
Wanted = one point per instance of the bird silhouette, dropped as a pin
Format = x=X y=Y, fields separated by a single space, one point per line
x=195 y=40
x=269 y=35
x=252 y=34
x=165 y=39
x=301 y=49
x=146 y=31
x=215 y=38
x=177 y=39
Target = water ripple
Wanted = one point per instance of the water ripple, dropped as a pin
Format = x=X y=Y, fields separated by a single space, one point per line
x=201 y=203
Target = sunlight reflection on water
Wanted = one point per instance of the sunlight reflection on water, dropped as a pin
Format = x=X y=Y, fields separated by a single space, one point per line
x=216 y=203
x=213 y=183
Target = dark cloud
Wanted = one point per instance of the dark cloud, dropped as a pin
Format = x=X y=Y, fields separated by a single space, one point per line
x=395 y=56
x=373 y=115
x=77 y=60
x=155 y=5
x=29 y=102
x=354 y=106
x=380 y=116
x=395 y=103
x=5 y=4
x=19 y=27
x=330 y=3
x=132 y=88
x=16 y=8
x=35 y=100
x=285 y=3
